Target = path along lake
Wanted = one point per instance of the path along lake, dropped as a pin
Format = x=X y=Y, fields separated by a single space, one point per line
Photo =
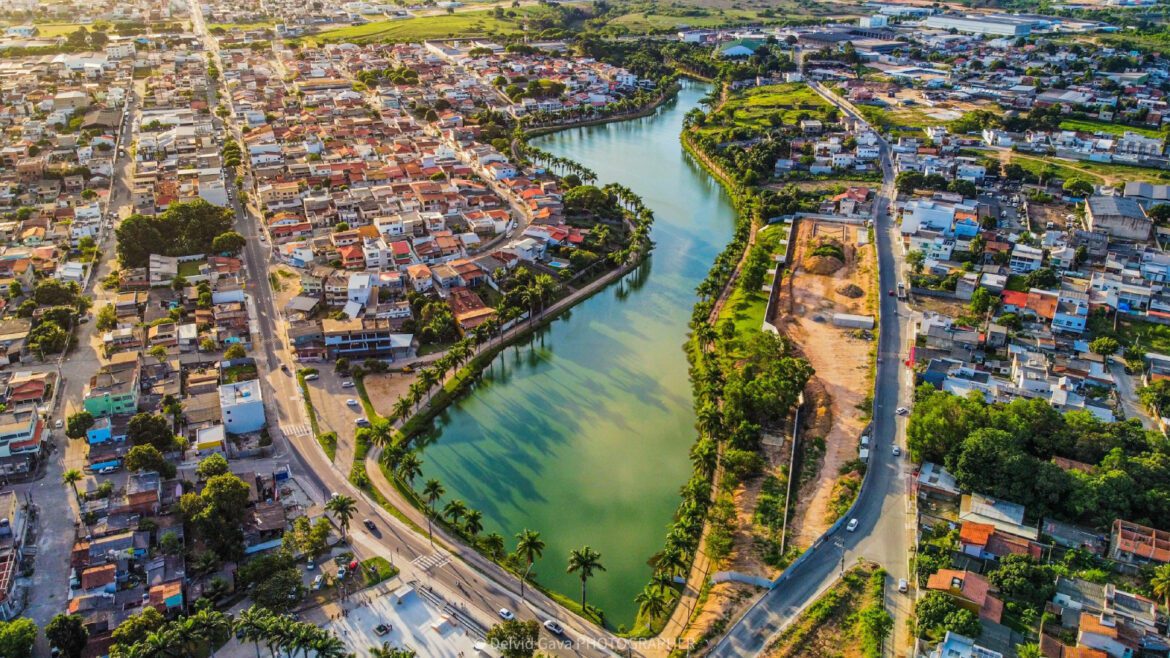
x=582 y=432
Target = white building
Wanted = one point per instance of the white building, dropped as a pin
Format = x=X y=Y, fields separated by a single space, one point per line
x=242 y=407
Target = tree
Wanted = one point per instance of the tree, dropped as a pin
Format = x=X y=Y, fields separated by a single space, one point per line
x=584 y=561
x=220 y=514
x=915 y=259
x=308 y=538
x=1029 y=650
x=148 y=458
x=151 y=429
x=515 y=638
x=107 y=318
x=1078 y=187
x=1104 y=345
x=212 y=466
x=936 y=613
x=78 y=424
x=67 y=633
x=473 y=524
x=389 y=651
x=135 y=628
x=228 y=242
x=1160 y=583
x=454 y=510
x=1044 y=278
x=982 y=301
x=252 y=625
x=210 y=626
x=47 y=338
x=1160 y=213
x=56 y=292
x=235 y=351
x=343 y=508
x=529 y=546
x=71 y=477
x=432 y=492
x=17 y=638
x=651 y=602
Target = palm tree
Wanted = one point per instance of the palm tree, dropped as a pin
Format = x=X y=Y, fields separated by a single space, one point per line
x=473 y=524
x=409 y=468
x=494 y=544
x=401 y=408
x=1160 y=583
x=454 y=510
x=651 y=603
x=584 y=561
x=166 y=642
x=343 y=508
x=388 y=651
x=252 y=624
x=327 y=645
x=71 y=477
x=392 y=455
x=212 y=626
x=671 y=562
x=432 y=492
x=1029 y=650
x=530 y=546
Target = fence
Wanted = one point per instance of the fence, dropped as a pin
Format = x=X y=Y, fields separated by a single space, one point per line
x=736 y=577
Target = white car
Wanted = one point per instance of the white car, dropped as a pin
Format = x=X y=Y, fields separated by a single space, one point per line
x=902 y=411
x=897 y=451
x=553 y=627
x=506 y=614
x=352 y=402
x=361 y=422
x=903 y=586
x=852 y=525
x=347 y=384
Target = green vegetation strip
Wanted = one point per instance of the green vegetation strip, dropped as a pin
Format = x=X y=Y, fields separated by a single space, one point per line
x=378 y=569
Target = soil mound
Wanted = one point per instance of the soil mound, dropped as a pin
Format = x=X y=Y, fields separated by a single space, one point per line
x=851 y=291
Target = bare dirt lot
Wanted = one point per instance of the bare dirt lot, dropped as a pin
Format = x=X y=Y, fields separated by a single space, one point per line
x=841 y=358
x=385 y=389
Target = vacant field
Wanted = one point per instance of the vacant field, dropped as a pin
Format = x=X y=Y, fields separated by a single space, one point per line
x=1093 y=126
x=51 y=30
x=463 y=24
x=842 y=384
x=763 y=107
x=831 y=626
x=650 y=22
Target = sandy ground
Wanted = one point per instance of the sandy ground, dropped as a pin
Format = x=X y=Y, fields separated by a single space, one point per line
x=841 y=363
x=385 y=389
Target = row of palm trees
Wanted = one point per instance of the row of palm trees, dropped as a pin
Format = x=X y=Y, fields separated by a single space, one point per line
x=206 y=630
x=560 y=166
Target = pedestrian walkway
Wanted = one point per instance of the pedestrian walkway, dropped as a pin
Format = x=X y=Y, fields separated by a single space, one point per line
x=432 y=561
x=295 y=430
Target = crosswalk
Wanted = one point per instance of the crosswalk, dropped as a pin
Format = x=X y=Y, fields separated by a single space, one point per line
x=295 y=430
x=432 y=561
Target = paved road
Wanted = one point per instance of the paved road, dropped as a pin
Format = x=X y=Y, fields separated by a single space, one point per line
x=885 y=524
x=1127 y=386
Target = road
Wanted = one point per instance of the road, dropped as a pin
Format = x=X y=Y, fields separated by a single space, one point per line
x=885 y=522
x=1127 y=387
x=486 y=587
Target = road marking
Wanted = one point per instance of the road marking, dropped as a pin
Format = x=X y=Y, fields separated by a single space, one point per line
x=296 y=430
x=432 y=561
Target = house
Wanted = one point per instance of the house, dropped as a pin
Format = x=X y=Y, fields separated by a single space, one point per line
x=114 y=388
x=1025 y=259
x=242 y=406
x=969 y=590
x=365 y=337
x=21 y=435
x=1003 y=515
x=961 y=646
x=468 y=309
x=1120 y=217
x=1134 y=543
x=1147 y=195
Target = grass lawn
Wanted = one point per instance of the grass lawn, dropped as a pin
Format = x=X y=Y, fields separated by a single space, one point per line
x=51 y=30
x=1098 y=172
x=377 y=569
x=1151 y=337
x=190 y=268
x=463 y=24
x=1094 y=126
x=648 y=21
x=746 y=311
x=761 y=107
x=241 y=26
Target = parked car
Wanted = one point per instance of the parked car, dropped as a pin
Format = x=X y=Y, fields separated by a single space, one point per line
x=903 y=586
x=902 y=411
x=312 y=376
x=106 y=470
x=310 y=565
x=361 y=422
x=319 y=581
x=506 y=614
x=852 y=525
x=381 y=629
x=58 y=424
x=347 y=384
x=341 y=571
x=897 y=451
x=352 y=402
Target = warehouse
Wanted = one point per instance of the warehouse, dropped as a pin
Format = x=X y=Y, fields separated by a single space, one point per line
x=998 y=25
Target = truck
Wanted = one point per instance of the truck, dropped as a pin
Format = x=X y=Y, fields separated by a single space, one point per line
x=901 y=290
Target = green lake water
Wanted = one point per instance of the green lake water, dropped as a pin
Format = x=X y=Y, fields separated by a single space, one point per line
x=582 y=433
